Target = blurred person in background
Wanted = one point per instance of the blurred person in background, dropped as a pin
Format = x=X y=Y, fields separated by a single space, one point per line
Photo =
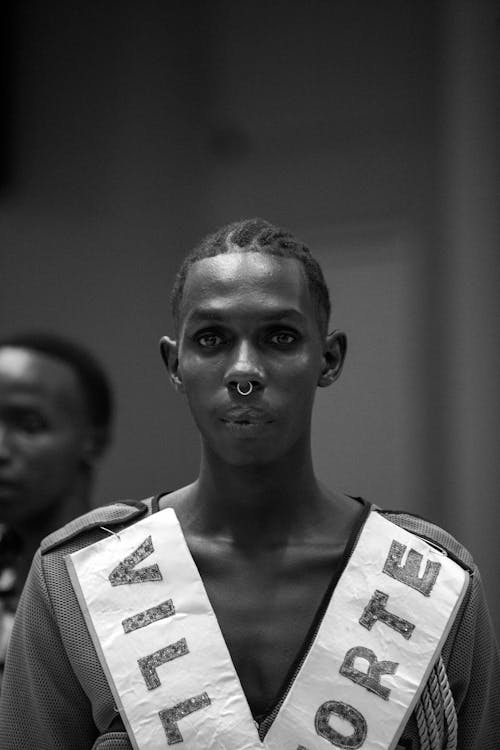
x=253 y=608
x=56 y=409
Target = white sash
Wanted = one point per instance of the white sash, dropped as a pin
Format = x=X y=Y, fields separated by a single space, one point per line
x=171 y=673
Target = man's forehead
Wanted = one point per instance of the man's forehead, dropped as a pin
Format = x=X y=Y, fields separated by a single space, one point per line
x=249 y=259
x=238 y=271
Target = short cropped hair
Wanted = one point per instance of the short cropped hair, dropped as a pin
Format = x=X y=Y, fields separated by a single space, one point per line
x=95 y=384
x=257 y=235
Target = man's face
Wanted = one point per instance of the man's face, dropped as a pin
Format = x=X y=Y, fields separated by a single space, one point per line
x=43 y=434
x=249 y=317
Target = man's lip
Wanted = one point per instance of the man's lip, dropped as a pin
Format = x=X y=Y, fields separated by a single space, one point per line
x=246 y=416
x=246 y=422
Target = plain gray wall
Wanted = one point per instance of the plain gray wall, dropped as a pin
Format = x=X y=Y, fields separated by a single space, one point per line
x=367 y=128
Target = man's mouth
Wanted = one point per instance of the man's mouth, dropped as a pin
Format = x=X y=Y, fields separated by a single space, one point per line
x=245 y=422
x=246 y=417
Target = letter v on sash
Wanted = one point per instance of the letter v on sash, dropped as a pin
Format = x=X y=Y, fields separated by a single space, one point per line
x=125 y=573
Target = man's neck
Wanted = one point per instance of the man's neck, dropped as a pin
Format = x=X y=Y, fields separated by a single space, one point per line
x=255 y=504
x=73 y=504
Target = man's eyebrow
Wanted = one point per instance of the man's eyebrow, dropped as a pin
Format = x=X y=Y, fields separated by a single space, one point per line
x=222 y=314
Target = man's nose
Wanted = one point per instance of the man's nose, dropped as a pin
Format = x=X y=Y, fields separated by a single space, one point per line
x=245 y=367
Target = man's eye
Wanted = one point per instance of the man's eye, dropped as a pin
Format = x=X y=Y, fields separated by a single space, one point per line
x=209 y=340
x=283 y=338
x=31 y=423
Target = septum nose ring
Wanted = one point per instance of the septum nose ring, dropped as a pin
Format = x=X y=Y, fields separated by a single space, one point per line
x=244 y=392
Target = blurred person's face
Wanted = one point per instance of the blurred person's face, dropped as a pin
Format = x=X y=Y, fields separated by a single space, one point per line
x=44 y=434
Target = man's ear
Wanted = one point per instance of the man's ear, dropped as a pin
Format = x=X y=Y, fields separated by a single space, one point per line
x=169 y=353
x=335 y=348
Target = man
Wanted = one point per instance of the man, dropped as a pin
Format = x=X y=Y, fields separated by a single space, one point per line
x=298 y=645
x=55 y=422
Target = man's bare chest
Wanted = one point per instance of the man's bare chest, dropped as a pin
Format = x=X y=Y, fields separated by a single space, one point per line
x=268 y=607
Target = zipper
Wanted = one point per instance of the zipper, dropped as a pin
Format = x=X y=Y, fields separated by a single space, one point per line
x=267 y=722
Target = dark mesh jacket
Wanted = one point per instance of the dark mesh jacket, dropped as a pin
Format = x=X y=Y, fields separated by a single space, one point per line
x=55 y=695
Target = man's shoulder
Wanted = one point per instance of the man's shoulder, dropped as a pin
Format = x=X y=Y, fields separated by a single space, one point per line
x=106 y=517
x=432 y=533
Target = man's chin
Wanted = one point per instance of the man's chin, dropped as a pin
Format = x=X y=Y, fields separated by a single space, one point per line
x=248 y=456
